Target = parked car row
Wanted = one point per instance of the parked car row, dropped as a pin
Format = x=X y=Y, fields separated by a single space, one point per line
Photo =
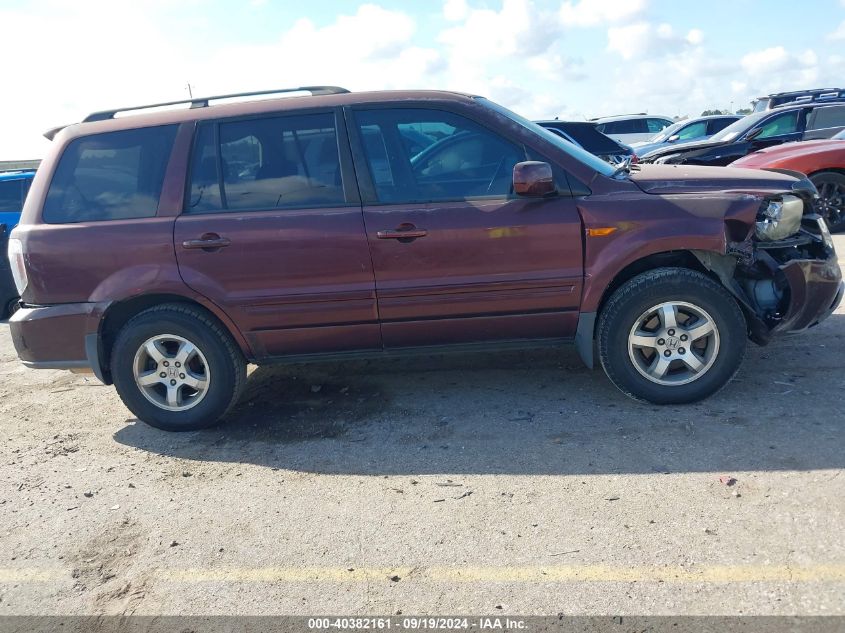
x=348 y=225
x=14 y=186
x=815 y=118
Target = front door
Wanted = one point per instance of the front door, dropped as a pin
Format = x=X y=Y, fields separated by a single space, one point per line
x=457 y=257
x=273 y=233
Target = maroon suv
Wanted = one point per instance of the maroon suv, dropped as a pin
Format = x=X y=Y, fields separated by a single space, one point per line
x=166 y=250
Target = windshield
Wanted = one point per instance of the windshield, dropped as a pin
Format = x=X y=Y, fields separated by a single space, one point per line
x=738 y=128
x=840 y=136
x=581 y=155
x=667 y=132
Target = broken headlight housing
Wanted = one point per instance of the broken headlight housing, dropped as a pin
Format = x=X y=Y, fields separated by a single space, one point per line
x=778 y=219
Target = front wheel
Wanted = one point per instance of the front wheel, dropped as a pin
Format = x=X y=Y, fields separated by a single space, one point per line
x=831 y=204
x=671 y=336
x=176 y=368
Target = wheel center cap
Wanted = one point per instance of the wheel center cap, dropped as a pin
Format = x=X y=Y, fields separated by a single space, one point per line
x=673 y=342
x=172 y=372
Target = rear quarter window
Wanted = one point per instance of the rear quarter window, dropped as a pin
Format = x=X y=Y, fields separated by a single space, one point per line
x=110 y=176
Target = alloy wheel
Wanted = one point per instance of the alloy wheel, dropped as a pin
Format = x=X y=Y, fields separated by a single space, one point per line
x=171 y=372
x=673 y=343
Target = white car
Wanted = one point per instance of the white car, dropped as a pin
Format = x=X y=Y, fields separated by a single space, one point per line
x=632 y=128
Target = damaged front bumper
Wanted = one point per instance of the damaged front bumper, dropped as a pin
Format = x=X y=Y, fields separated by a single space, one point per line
x=784 y=286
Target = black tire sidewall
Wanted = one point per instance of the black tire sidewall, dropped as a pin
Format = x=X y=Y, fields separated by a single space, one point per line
x=830 y=176
x=705 y=294
x=221 y=368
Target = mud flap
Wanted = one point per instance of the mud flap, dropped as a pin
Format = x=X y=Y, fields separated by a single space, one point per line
x=584 y=338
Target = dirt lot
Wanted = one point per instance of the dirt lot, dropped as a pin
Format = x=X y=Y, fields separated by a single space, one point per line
x=511 y=483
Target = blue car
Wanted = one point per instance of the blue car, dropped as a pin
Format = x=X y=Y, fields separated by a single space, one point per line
x=685 y=131
x=14 y=186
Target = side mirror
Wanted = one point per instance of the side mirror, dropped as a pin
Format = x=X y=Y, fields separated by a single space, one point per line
x=673 y=138
x=533 y=179
x=753 y=134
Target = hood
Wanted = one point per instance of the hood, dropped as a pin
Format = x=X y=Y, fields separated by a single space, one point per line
x=671 y=148
x=682 y=179
x=793 y=150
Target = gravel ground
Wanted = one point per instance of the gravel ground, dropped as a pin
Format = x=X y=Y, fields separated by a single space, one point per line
x=515 y=483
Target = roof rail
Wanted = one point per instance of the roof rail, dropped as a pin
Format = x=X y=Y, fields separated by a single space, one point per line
x=202 y=102
x=820 y=101
x=804 y=92
x=609 y=116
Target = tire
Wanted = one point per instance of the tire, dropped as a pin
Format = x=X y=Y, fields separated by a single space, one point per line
x=214 y=368
x=10 y=308
x=646 y=373
x=831 y=204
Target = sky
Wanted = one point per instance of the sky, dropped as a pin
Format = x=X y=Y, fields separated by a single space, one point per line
x=542 y=58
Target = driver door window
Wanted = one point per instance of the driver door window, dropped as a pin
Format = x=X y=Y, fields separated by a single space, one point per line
x=786 y=123
x=431 y=155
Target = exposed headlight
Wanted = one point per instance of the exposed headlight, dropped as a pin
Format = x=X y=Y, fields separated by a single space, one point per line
x=18 y=265
x=778 y=219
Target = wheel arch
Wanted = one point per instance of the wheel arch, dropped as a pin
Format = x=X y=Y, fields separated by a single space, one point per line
x=586 y=332
x=120 y=312
x=824 y=170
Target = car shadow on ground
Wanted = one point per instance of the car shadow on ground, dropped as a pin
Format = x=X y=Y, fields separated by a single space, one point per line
x=530 y=413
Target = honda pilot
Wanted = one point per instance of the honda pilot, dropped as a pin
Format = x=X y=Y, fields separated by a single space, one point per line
x=165 y=250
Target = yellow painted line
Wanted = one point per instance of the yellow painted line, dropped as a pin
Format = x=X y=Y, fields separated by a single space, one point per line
x=559 y=574
x=574 y=573
x=281 y=574
x=12 y=575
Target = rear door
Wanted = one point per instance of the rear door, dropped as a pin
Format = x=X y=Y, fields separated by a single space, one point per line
x=272 y=232
x=457 y=257
x=825 y=122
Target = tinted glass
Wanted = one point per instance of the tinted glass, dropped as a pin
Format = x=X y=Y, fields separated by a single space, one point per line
x=717 y=125
x=11 y=196
x=656 y=125
x=465 y=161
x=587 y=136
x=739 y=127
x=631 y=126
x=267 y=163
x=823 y=118
x=111 y=176
x=577 y=153
x=693 y=130
x=785 y=123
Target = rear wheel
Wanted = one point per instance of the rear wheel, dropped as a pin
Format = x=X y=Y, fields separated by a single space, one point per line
x=831 y=204
x=11 y=308
x=176 y=368
x=671 y=336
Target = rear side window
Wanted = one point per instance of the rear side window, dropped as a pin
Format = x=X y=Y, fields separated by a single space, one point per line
x=111 y=176
x=717 y=125
x=11 y=195
x=657 y=125
x=266 y=163
x=631 y=126
x=823 y=118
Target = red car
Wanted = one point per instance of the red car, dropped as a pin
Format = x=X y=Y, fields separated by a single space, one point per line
x=822 y=161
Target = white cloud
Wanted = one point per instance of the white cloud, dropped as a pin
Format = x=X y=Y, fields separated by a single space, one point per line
x=839 y=33
x=585 y=13
x=642 y=39
x=455 y=10
x=777 y=59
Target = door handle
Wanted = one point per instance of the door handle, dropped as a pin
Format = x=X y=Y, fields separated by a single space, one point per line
x=209 y=241
x=403 y=232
